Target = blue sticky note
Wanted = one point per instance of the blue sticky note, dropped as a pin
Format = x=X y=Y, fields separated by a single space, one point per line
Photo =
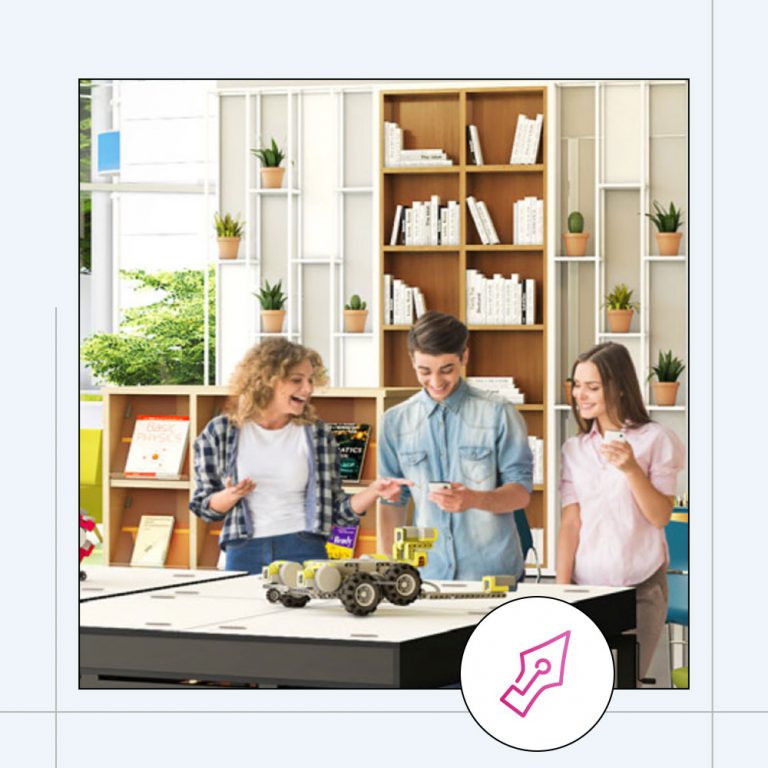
x=109 y=152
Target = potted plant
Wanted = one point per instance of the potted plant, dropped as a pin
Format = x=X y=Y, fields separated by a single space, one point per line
x=667 y=223
x=620 y=308
x=271 y=172
x=355 y=315
x=272 y=300
x=667 y=371
x=229 y=232
x=568 y=386
x=575 y=238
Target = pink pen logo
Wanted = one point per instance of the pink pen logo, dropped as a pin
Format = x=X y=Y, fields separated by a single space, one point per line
x=546 y=665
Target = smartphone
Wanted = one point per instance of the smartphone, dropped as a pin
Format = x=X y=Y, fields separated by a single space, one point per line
x=611 y=435
x=437 y=485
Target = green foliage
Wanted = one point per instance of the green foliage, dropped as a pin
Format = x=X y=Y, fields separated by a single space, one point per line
x=162 y=342
x=228 y=227
x=270 y=157
x=666 y=220
x=668 y=368
x=356 y=303
x=620 y=298
x=272 y=297
x=575 y=223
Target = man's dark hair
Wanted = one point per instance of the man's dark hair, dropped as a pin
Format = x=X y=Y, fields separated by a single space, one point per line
x=436 y=333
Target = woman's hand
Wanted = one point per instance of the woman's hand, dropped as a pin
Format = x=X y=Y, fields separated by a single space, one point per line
x=620 y=455
x=223 y=501
x=388 y=488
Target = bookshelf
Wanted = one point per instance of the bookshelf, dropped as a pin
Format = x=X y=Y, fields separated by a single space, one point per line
x=439 y=119
x=622 y=145
x=194 y=543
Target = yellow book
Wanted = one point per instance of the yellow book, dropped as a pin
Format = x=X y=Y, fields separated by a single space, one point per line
x=152 y=540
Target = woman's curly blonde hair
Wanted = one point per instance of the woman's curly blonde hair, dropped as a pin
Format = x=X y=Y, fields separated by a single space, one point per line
x=252 y=385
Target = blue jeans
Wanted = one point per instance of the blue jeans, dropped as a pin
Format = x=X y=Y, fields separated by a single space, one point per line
x=253 y=554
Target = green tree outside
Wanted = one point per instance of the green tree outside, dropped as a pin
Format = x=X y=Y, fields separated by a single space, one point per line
x=162 y=342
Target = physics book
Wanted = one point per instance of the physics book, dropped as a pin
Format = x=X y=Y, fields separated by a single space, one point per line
x=158 y=447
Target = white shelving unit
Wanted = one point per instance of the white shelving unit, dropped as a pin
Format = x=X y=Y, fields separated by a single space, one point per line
x=316 y=234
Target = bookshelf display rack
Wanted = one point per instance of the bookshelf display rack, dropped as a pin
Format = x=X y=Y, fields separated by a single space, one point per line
x=439 y=119
x=194 y=543
x=612 y=173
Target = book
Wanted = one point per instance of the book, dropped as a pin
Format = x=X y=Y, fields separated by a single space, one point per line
x=477 y=152
x=352 y=440
x=152 y=541
x=341 y=542
x=485 y=217
x=475 y=212
x=158 y=446
x=396 y=225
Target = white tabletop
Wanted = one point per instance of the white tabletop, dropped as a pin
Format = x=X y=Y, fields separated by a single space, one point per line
x=239 y=606
x=108 y=581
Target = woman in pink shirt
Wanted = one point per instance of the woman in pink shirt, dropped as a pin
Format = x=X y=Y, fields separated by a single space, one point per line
x=617 y=490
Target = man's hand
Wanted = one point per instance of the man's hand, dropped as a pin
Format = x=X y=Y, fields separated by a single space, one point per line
x=223 y=501
x=457 y=498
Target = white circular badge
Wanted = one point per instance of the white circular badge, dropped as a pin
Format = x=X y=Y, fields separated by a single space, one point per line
x=537 y=674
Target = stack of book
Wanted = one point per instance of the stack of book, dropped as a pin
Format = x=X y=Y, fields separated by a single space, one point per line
x=473 y=142
x=528 y=222
x=426 y=223
x=483 y=222
x=499 y=300
x=503 y=386
x=536 y=444
x=402 y=303
x=525 y=146
x=395 y=156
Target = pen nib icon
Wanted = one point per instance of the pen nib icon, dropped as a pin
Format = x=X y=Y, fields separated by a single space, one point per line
x=541 y=667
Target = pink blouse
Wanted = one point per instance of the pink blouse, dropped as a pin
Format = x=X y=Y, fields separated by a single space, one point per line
x=617 y=545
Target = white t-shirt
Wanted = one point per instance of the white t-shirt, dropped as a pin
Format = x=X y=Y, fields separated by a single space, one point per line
x=277 y=461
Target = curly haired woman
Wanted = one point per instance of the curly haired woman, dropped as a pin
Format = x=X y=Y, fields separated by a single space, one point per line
x=269 y=468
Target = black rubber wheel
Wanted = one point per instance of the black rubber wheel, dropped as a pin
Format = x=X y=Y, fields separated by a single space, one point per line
x=405 y=586
x=360 y=594
x=293 y=601
x=273 y=595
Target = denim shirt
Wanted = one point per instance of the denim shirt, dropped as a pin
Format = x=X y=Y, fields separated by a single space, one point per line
x=472 y=438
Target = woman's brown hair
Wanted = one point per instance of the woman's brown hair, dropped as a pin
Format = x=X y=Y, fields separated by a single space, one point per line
x=623 y=399
x=252 y=385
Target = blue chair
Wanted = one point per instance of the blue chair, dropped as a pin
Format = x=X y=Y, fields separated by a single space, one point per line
x=526 y=540
x=677 y=579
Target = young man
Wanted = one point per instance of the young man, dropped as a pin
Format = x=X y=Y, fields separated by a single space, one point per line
x=475 y=441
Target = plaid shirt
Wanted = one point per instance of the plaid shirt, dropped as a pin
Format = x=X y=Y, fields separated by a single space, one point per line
x=216 y=458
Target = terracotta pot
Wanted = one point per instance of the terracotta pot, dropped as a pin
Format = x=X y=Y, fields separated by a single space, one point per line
x=272 y=178
x=354 y=320
x=567 y=385
x=665 y=392
x=575 y=243
x=620 y=320
x=228 y=247
x=272 y=320
x=668 y=243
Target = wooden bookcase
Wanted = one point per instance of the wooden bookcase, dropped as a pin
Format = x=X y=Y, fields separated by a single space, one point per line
x=438 y=119
x=194 y=543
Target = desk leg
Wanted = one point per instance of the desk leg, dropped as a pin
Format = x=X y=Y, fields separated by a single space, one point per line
x=626 y=660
